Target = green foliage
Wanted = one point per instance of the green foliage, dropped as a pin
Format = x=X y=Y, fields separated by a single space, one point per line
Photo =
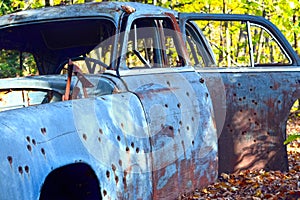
x=291 y=138
x=8 y=63
x=5 y=7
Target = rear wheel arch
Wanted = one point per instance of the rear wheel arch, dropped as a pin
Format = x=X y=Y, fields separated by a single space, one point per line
x=73 y=181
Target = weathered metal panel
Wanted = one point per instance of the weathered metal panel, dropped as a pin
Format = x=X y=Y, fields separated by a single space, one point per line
x=116 y=135
x=182 y=131
x=87 y=10
x=98 y=131
x=257 y=105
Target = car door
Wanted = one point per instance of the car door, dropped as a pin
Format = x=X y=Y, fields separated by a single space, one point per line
x=253 y=78
x=176 y=103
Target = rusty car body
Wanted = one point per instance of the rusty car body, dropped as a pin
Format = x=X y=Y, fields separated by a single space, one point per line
x=125 y=106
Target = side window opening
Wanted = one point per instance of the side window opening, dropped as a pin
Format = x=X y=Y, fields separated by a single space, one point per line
x=241 y=44
x=16 y=63
x=265 y=48
x=152 y=43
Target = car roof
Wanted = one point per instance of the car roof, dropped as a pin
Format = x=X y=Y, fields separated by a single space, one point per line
x=93 y=9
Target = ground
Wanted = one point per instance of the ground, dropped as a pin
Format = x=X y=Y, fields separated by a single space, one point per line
x=260 y=184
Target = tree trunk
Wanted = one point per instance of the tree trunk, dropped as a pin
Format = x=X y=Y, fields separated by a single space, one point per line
x=47 y=3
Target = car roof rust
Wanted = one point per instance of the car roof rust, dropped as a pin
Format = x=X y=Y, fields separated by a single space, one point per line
x=95 y=9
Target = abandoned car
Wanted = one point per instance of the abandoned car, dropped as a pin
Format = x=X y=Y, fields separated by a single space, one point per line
x=134 y=101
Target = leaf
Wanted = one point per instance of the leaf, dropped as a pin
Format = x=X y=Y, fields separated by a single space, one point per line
x=291 y=138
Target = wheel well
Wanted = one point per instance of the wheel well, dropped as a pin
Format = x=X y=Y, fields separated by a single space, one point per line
x=74 y=181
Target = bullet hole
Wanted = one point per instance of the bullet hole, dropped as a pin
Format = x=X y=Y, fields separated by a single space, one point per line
x=241 y=110
x=99 y=139
x=268 y=133
x=166 y=105
x=244 y=132
x=171 y=128
x=103 y=98
x=239 y=84
x=118 y=138
x=254 y=140
x=124 y=180
x=231 y=130
x=20 y=169
x=43 y=151
x=240 y=99
x=187 y=94
x=120 y=162
x=10 y=159
x=193 y=119
x=29 y=148
x=116 y=179
x=168 y=83
x=132 y=144
x=255 y=113
x=127 y=149
x=26 y=169
x=137 y=150
x=187 y=128
x=104 y=193
x=250 y=89
x=33 y=142
x=180 y=123
x=43 y=130
x=193 y=142
x=100 y=131
x=201 y=80
x=28 y=139
x=279 y=101
x=113 y=167
x=107 y=174
x=122 y=125
x=244 y=98
x=234 y=94
x=249 y=120
x=271 y=87
x=84 y=136
x=206 y=94
x=178 y=105
x=178 y=130
x=256 y=123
